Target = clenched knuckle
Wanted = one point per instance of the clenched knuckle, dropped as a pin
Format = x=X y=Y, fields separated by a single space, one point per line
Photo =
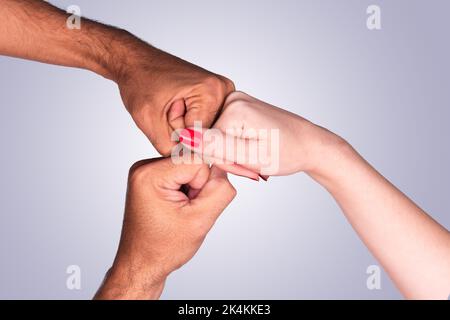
x=139 y=172
x=214 y=84
x=227 y=188
x=232 y=191
x=230 y=86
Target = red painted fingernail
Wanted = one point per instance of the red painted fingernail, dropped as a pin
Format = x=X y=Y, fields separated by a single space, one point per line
x=255 y=179
x=195 y=144
x=190 y=137
x=194 y=134
x=190 y=143
x=265 y=178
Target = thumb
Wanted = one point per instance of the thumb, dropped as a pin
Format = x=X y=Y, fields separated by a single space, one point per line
x=175 y=115
x=172 y=176
x=214 y=197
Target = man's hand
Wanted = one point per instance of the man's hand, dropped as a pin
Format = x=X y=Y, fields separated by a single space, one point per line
x=162 y=92
x=169 y=211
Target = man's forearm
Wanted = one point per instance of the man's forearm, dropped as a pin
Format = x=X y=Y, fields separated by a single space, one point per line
x=36 y=30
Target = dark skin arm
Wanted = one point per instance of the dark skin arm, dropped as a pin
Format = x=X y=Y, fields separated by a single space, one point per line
x=162 y=92
x=163 y=226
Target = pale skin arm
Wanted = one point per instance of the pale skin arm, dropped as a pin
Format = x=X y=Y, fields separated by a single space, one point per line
x=412 y=247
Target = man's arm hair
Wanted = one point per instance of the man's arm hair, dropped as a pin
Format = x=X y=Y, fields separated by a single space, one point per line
x=36 y=30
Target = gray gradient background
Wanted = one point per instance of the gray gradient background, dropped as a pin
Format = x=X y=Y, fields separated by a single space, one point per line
x=67 y=143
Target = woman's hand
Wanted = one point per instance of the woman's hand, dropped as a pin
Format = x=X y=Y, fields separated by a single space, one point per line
x=254 y=138
x=412 y=248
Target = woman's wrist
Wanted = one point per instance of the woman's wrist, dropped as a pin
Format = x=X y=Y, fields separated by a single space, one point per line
x=336 y=162
x=326 y=153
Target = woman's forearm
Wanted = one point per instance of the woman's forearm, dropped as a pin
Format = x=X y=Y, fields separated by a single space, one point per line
x=412 y=247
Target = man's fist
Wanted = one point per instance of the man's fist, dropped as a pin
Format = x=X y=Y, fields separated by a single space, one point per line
x=169 y=211
x=164 y=93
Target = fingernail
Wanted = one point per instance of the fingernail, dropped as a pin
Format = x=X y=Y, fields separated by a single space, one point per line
x=255 y=179
x=191 y=134
x=190 y=137
x=265 y=178
x=194 y=134
x=191 y=143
